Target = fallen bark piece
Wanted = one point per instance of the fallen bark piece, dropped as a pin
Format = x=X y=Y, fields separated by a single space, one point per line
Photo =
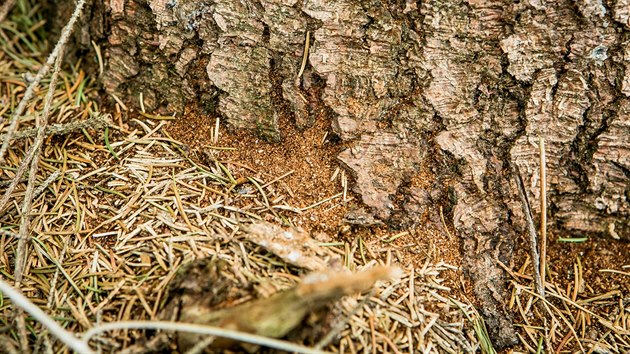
x=293 y=246
x=280 y=313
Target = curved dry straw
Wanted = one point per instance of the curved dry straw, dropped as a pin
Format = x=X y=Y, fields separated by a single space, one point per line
x=81 y=345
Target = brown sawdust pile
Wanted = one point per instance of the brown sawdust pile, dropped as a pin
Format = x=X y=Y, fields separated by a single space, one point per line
x=312 y=156
x=306 y=155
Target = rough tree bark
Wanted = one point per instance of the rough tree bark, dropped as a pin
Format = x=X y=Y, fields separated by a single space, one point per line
x=465 y=88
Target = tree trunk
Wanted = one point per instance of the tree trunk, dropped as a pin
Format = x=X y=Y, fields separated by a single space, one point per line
x=463 y=89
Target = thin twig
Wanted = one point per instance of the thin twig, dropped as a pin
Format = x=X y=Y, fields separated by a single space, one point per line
x=531 y=230
x=21 y=253
x=96 y=121
x=46 y=183
x=20 y=256
x=65 y=34
x=543 y=212
x=36 y=194
x=53 y=327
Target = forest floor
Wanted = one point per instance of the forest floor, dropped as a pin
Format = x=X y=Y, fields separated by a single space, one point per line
x=124 y=201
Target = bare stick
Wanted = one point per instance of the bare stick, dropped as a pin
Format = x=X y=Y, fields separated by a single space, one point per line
x=65 y=34
x=96 y=121
x=531 y=228
x=21 y=255
x=307 y=43
x=53 y=327
x=543 y=211
x=201 y=329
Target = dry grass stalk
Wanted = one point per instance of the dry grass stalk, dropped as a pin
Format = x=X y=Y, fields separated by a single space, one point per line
x=22 y=247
